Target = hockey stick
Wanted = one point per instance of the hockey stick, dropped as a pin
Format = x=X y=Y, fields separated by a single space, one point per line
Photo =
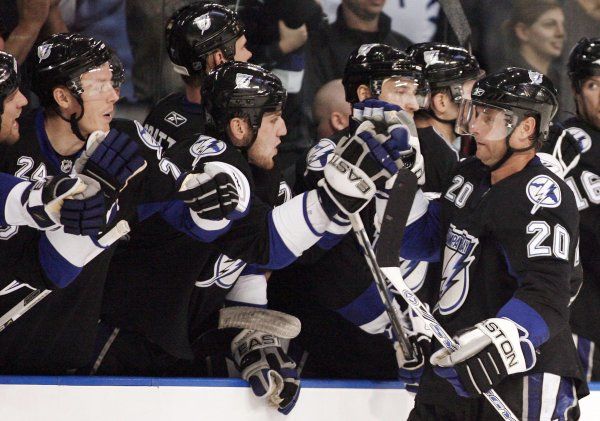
x=458 y=21
x=34 y=297
x=392 y=228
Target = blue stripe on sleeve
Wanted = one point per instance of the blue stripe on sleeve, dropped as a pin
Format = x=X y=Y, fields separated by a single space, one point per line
x=177 y=214
x=252 y=270
x=364 y=309
x=522 y=313
x=7 y=183
x=280 y=255
x=422 y=240
x=58 y=269
x=146 y=210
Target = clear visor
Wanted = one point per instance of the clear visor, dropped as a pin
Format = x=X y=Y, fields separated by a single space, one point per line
x=405 y=92
x=484 y=122
x=96 y=84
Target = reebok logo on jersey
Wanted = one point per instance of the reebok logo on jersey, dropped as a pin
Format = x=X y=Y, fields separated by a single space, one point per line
x=175 y=119
x=458 y=256
x=543 y=192
x=203 y=22
x=319 y=155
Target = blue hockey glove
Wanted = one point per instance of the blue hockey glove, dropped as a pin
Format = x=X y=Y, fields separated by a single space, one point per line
x=270 y=372
x=488 y=353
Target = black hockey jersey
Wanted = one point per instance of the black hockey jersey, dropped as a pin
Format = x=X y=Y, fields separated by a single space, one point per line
x=507 y=251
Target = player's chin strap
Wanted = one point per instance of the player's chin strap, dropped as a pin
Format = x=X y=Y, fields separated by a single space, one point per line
x=73 y=120
x=509 y=152
x=274 y=322
x=441 y=120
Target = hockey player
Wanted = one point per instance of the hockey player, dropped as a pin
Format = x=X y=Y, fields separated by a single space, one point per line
x=451 y=72
x=505 y=286
x=199 y=37
x=575 y=144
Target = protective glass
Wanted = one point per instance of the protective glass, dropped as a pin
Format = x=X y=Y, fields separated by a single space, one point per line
x=96 y=84
x=405 y=92
x=484 y=121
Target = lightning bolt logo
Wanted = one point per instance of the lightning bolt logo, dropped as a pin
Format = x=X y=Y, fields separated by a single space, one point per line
x=225 y=272
x=319 y=155
x=543 y=192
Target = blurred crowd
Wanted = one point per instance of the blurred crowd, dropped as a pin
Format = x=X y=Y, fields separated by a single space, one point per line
x=306 y=42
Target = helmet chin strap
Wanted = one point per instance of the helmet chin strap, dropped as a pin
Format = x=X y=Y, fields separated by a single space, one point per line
x=73 y=120
x=441 y=120
x=509 y=152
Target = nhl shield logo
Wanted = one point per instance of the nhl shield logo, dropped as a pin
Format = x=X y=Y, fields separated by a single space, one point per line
x=66 y=166
x=175 y=119
x=543 y=192
x=242 y=81
x=431 y=57
x=535 y=77
x=203 y=22
x=43 y=51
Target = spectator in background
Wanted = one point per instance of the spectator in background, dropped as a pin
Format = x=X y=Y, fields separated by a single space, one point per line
x=358 y=22
x=582 y=20
x=331 y=111
x=535 y=36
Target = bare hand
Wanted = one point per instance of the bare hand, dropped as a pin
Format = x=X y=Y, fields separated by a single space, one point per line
x=291 y=39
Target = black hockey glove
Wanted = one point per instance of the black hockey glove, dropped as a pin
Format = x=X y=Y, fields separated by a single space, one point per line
x=75 y=203
x=111 y=159
x=358 y=166
x=213 y=194
x=569 y=145
x=419 y=334
x=488 y=353
x=270 y=372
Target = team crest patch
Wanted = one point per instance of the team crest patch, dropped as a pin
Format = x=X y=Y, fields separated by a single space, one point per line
x=203 y=22
x=43 y=51
x=319 y=155
x=543 y=192
x=458 y=256
x=206 y=146
x=175 y=119
x=225 y=272
x=583 y=139
x=242 y=81
x=66 y=166
x=431 y=57
x=535 y=77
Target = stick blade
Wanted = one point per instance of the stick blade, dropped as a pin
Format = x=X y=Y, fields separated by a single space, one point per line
x=398 y=208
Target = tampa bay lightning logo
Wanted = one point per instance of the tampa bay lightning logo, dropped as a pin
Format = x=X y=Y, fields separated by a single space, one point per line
x=319 y=155
x=535 y=77
x=148 y=140
x=203 y=22
x=458 y=256
x=206 y=146
x=43 y=51
x=431 y=57
x=225 y=273
x=413 y=272
x=543 y=192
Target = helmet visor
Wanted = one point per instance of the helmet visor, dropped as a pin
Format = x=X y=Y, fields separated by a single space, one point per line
x=406 y=92
x=484 y=122
x=96 y=84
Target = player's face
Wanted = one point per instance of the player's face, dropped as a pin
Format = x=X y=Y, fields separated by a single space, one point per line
x=546 y=35
x=401 y=92
x=365 y=9
x=588 y=101
x=13 y=105
x=242 y=53
x=268 y=138
x=99 y=97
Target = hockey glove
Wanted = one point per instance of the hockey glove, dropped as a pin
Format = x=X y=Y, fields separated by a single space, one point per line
x=400 y=126
x=568 y=147
x=76 y=203
x=419 y=334
x=488 y=352
x=213 y=194
x=270 y=372
x=111 y=159
x=360 y=165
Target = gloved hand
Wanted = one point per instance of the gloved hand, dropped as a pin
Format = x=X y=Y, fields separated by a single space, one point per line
x=213 y=193
x=488 y=353
x=570 y=143
x=360 y=165
x=400 y=126
x=75 y=203
x=419 y=334
x=111 y=159
x=270 y=372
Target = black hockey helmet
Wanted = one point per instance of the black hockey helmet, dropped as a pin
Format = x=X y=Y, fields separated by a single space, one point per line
x=371 y=64
x=9 y=77
x=236 y=89
x=62 y=59
x=197 y=30
x=118 y=70
x=584 y=61
x=445 y=66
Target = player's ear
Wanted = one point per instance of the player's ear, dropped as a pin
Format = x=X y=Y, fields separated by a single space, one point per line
x=439 y=101
x=363 y=92
x=338 y=120
x=62 y=96
x=237 y=130
x=526 y=131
